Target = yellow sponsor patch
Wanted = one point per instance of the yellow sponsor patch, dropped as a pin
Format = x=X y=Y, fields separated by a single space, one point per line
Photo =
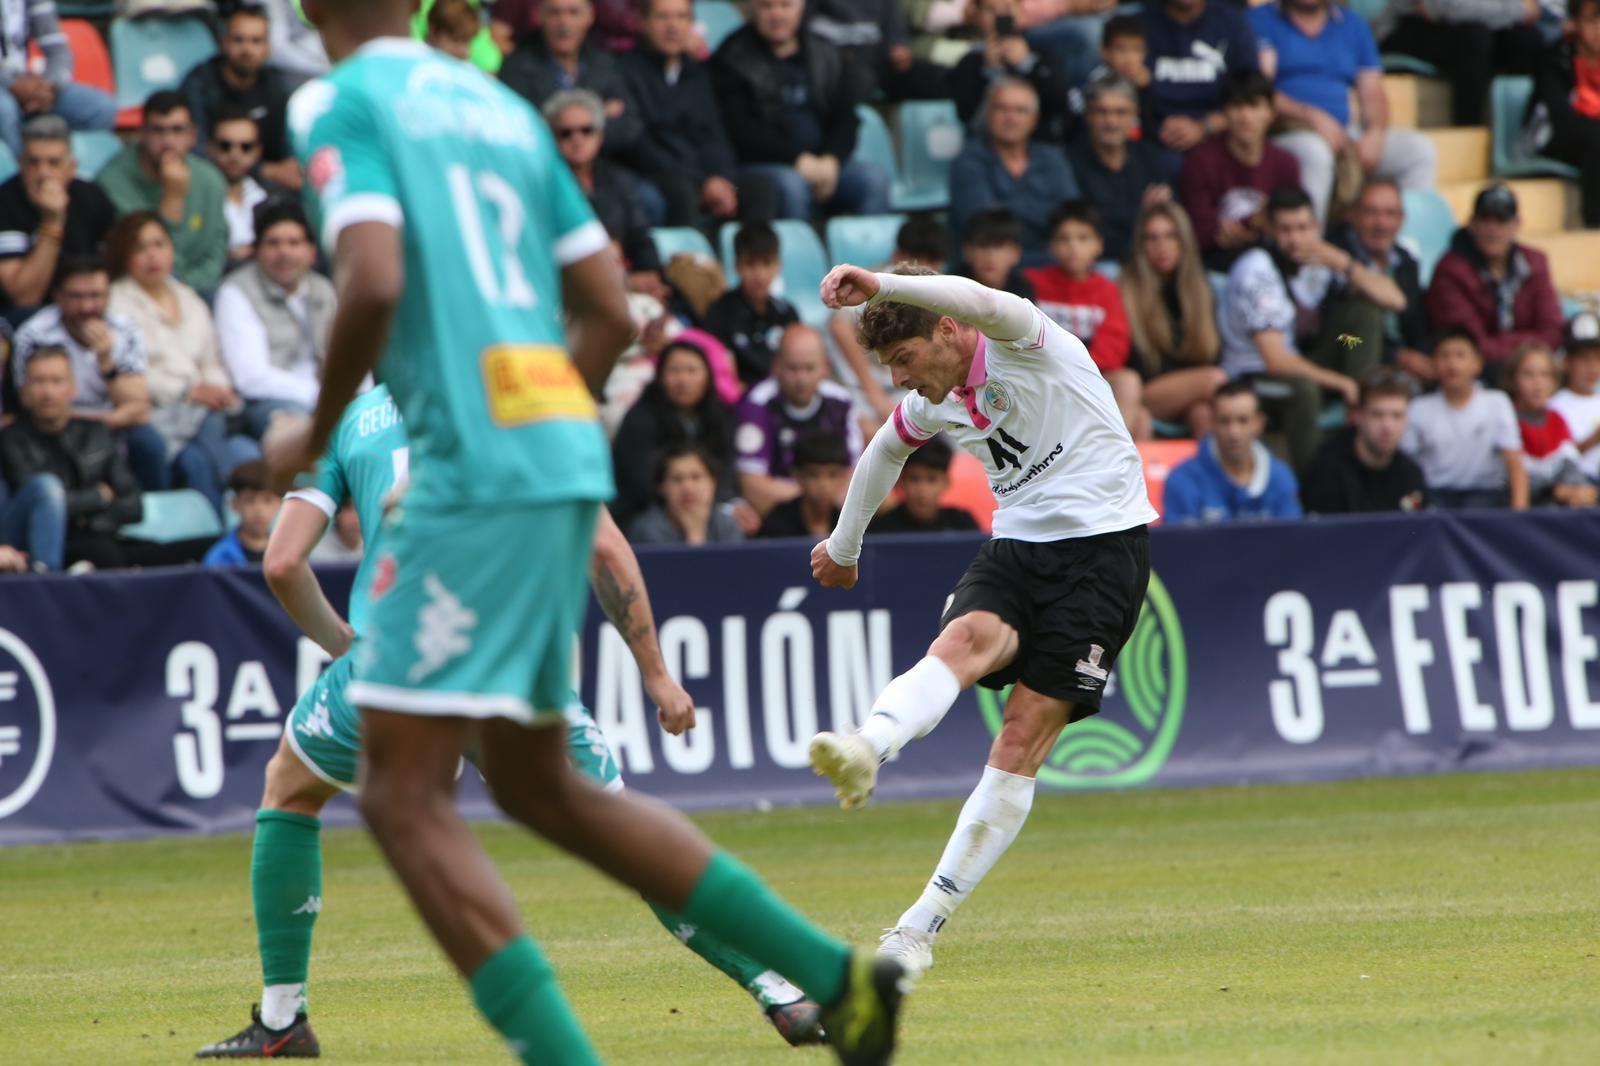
x=533 y=383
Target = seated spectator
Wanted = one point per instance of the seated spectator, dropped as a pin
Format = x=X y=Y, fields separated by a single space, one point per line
x=1232 y=476
x=1498 y=290
x=1122 y=54
x=1003 y=167
x=1087 y=304
x=685 y=510
x=1317 y=53
x=294 y=46
x=559 y=57
x=1007 y=55
x=1361 y=467
x=992 y=252
x=1549 y=453
x=679 y=407
x=158 y=173
x=191 y=395
x=616 y=23
x=1465 y=436
x=1579 y=402
x=874 y=39
x=1372 y=236
x=1565 y=118
x=798 y=402
x=1300 y=316
x=236 y=151
x=273 y=317
x=923 y=240
x=47 y=213
x=1469 y=41
x=749 y=318
x=822 y=474
x=1226 y=178
x=1067 y=32
x=256 y=504
x=578 y=120
x=1192 y=44
x=51 y=92
x=1121 y=177
x=789 y=103
x=238 y=77
x=923 y=482
x=1172 y=320
x=71 y=488
x=684 y=151
x=452 y=27
x=108 y=363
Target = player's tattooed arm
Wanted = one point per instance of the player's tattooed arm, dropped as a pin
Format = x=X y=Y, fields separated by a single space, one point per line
x=618 y=603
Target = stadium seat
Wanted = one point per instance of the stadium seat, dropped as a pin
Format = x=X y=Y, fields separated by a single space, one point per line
x=91 y=63
x=172 y=516
x=865 y=240
x=151 y=54
x=930 y=138
x=1399 y=63
x=675 y=240
x=1428 y=228
x=874 y=145
x=805 y=263
x=969 y=489
x=1160 y=457
x=716 y=21
x=8 y=163
x=1508 y=108
x=94 y=149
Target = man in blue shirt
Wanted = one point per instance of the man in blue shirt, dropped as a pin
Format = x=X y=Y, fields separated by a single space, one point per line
x=1318 y=53
x=1191 y=45
x=1233 y=476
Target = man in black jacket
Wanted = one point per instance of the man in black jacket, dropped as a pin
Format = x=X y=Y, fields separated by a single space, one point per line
x=238 y=75
x=788 y=103
x=684 y=151
x=560 y=56
x=1372 y=237
x=1361 y=468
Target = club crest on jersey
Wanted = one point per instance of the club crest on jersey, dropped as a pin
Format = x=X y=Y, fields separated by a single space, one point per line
x=996 y=396
x=326 y=169
x=382 y=578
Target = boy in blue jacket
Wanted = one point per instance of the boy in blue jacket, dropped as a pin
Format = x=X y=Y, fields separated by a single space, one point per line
x=1233 y=475
x=257 y=506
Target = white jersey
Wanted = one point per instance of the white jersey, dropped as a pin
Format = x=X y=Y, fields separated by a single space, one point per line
x=1035 y=411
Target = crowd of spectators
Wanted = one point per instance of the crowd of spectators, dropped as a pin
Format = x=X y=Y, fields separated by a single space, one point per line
x=1209 y=194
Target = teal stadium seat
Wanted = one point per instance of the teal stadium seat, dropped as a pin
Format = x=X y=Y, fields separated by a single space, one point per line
x=805 y=264
x=151 y=54
x=676 y=240
x=172 y=516
x=717 y=20
x=874 y=145
x=93 y=149
x=930 y=138
x=865 y=240
x=1428 y=228
x=8 y=163
x=1508 y=109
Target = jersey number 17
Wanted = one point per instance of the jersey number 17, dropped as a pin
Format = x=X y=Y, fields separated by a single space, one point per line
x=466 y=189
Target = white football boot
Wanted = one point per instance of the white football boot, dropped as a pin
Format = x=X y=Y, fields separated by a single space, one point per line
x=847 y=760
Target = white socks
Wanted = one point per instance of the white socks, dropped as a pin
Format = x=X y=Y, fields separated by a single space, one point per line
x=910 y=706
x=280 y=1003
x=989 y=822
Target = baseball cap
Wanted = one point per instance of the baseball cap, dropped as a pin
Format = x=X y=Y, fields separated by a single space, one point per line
x=1496 y=201
x=1583 y=331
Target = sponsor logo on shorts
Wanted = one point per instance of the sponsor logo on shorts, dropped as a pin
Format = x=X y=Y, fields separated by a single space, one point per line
x=1128 y=742
x=444 y=628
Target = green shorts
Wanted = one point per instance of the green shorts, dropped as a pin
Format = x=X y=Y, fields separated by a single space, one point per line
x=473 y=613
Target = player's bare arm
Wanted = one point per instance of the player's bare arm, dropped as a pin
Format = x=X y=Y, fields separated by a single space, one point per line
x=287 y=567
x=599 y=328
x=619 y=586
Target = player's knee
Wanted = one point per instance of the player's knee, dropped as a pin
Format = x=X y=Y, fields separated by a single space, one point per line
x=393 y=805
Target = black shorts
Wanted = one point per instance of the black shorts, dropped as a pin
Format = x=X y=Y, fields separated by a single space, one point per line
x=1073 y=603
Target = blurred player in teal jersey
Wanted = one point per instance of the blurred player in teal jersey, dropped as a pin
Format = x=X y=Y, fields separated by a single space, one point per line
x=365 y=462
x=459 y=238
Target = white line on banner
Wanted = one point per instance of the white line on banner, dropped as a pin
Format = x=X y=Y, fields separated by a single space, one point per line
x=254 y=731
x=1350 y=678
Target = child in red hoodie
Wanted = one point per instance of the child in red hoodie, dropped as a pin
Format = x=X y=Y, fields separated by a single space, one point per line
x=1550 y=453
x=1089 y=306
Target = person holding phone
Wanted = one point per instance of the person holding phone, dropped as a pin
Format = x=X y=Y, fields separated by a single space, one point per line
x=1005 y=53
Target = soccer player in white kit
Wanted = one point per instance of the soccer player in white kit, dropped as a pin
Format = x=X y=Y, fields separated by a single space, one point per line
x=1048 y=602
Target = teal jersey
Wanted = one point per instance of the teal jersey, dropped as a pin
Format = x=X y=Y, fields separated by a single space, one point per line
x=488 y=212
x=367 y=457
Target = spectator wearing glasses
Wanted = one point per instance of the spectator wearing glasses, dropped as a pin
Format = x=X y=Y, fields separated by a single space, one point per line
x=239 y=75
x=236 y=150
x=52 y=92
x=159 y=173
x=1003 y=52
x=47 y=213
x=559 y=57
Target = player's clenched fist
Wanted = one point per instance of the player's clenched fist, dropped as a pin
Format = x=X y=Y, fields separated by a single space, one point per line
x=829 y=574
x=848 y=286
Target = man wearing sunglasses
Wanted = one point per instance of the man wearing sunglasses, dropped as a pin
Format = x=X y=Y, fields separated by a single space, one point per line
x=236 y=150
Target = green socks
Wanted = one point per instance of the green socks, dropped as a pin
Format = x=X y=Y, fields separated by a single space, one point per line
x=286 y=886
x=735 y=906
x=517 y=992
x=767 y=987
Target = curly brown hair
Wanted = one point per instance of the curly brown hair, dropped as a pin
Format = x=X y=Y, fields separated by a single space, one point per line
x=890 y=322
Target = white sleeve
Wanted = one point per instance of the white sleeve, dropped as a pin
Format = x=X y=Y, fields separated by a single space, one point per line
x=874 y=477
x=997 y=314
x=1508 y=431
x=246 y=350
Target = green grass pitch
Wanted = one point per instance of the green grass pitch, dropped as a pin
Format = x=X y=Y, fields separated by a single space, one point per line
x=1449 y=920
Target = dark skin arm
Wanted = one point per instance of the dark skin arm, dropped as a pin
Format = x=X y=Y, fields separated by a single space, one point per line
x=599 y=328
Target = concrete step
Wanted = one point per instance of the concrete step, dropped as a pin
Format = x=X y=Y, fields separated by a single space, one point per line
x=1416 y=102
x=1546 y=205
x=1574 y=258
x=1463 y=152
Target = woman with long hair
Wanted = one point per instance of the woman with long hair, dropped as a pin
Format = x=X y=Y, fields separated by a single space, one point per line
x=191 y=395
x=679 y=406
x=1173 y=319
